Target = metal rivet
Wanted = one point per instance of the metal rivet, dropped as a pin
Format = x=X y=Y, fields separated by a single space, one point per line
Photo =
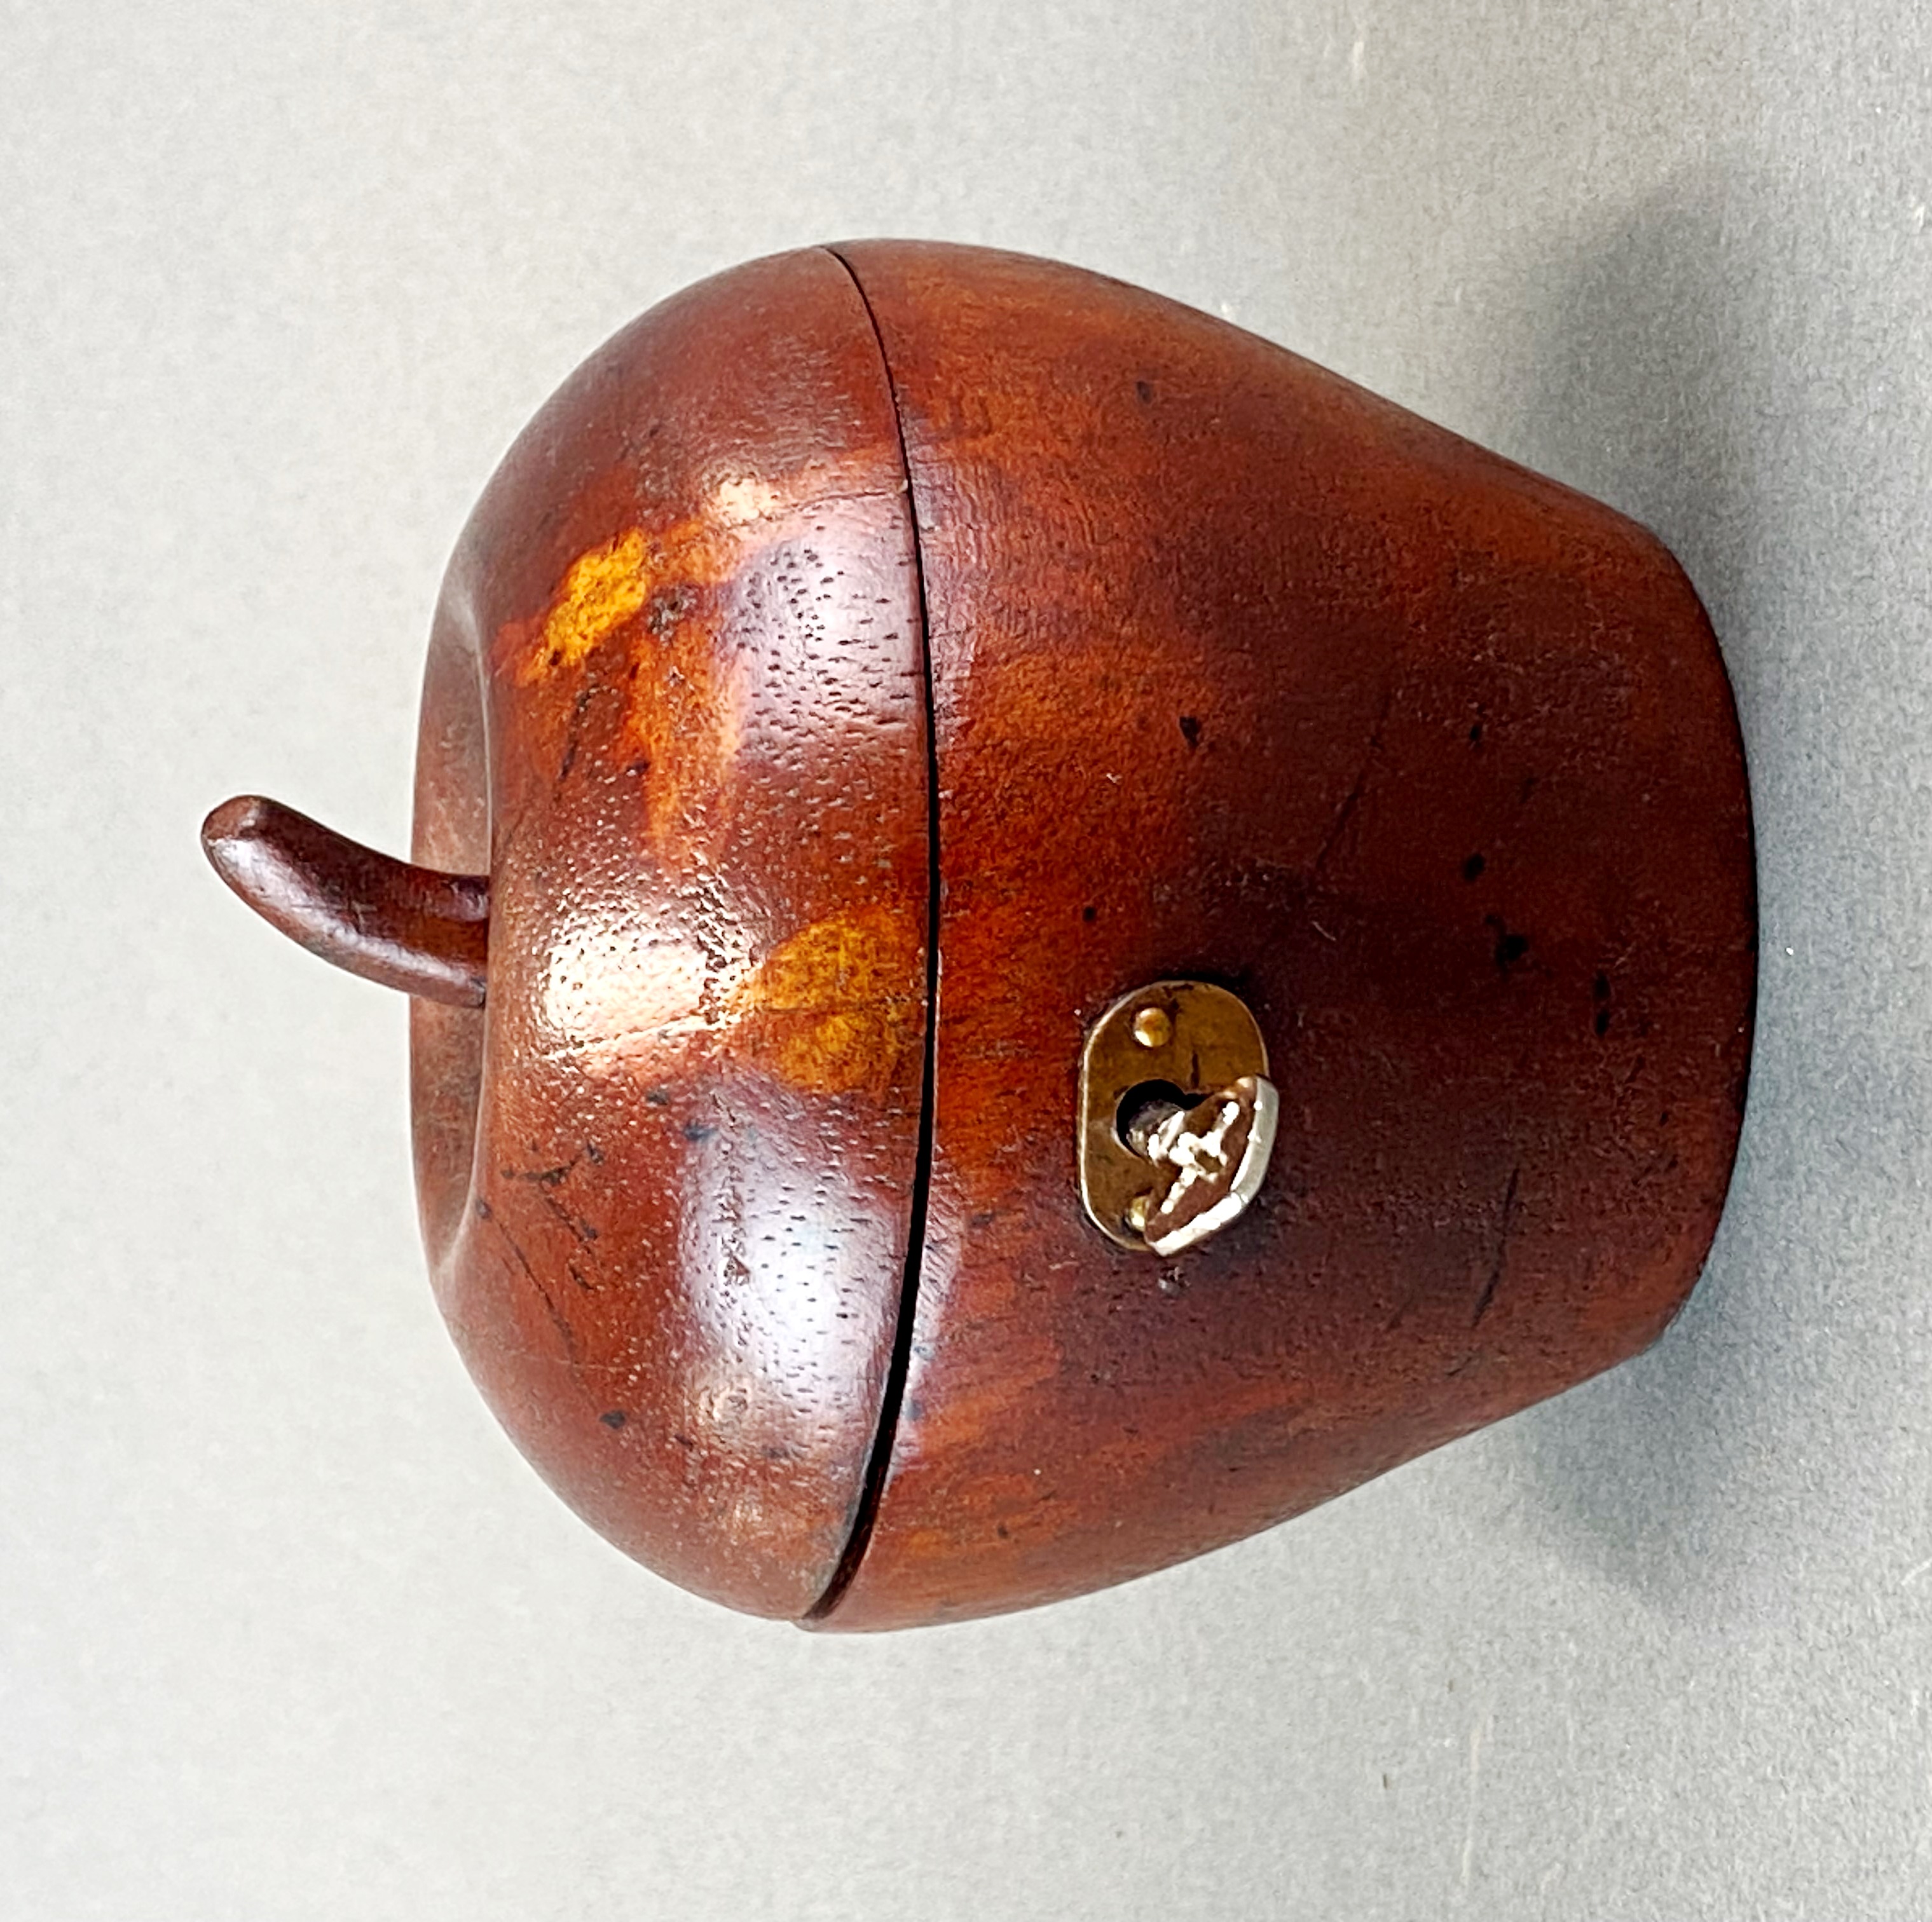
x=1152 y=1028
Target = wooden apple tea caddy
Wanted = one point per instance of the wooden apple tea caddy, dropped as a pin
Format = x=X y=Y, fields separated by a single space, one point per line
x=930 y=758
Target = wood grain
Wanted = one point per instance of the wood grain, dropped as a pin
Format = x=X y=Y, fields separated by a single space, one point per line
x=1244 y=675
x=676 y=677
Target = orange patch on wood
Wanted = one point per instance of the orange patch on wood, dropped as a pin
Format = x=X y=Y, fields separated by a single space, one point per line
x=603 y=589
x=658 y=586
x=834 y=1009
x=610 y=586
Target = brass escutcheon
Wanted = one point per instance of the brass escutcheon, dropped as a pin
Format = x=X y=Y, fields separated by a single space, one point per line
x=1177 y=1116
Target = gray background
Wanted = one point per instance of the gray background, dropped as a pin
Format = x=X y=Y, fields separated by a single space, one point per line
x=286 y=1630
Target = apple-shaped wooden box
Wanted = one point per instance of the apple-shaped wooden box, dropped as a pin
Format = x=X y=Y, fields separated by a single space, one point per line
x=879 y=670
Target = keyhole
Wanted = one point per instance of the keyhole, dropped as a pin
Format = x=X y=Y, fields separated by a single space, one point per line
x=1144 y=1108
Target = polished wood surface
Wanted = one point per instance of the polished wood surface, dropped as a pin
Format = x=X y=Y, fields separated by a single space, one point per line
x=1243 y=674
x=666 y=1172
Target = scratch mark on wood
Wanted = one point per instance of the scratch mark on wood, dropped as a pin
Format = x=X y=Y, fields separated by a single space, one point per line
x=1488 y=1293
x=1346 y=812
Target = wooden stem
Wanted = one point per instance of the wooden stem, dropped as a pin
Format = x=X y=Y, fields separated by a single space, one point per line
x=409 y=928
